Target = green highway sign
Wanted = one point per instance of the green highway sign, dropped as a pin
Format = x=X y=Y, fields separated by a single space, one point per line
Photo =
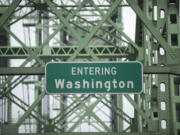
x=94 y=77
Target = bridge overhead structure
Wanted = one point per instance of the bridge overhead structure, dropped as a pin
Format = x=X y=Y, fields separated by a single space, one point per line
x=88 y=30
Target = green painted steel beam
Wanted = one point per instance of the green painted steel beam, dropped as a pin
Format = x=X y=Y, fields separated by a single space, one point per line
x=105 y=51
x=119 y=111
x=9 y=79
x=11 y=85
x=32 y=56
x=97 y=133
x=83 y=43
x=25 y=105
x=108 y=33
x=9 y=12
x=39 y=53
x=70 y=109
x=92 y=114
x=64 y=20
x=27 y=113
x=136 y=107
x=95 y=29
x=23 y=108
x=88 y=111
x=173 y=54
x=40 y=70
x=78 y=113
x=117 y=28
x=68 y=112
x=21 y=17
x=174 y=70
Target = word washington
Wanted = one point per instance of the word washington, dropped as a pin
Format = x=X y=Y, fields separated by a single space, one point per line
x=92 y=84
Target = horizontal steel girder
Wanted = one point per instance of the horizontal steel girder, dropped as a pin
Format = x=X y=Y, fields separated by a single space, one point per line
x=41 y=70
x=105 y=51
x=97 y=133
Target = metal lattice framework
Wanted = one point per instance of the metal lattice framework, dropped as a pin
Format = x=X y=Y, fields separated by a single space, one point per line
x=88 y=30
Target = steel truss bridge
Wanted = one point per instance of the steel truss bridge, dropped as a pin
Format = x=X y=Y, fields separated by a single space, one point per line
x=88 y=30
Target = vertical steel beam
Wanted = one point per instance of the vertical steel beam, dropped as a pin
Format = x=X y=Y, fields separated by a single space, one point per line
x=38 y=88
x=6 y=104
x=171 y=53
x=139 y=38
